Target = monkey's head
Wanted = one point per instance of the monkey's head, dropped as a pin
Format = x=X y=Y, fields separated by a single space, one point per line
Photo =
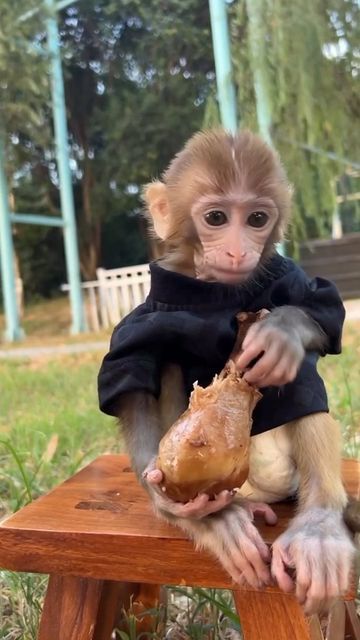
x=223 y=204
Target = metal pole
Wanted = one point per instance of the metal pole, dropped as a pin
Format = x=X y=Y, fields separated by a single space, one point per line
x=222 y=56
x=255 y=11
x=66 y=192
x=32 y=218
x=13 y=330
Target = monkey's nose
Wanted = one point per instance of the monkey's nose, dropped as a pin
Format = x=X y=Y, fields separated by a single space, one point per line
x=236 y=256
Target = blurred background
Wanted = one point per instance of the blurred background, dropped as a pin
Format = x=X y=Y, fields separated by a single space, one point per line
x=139 y=79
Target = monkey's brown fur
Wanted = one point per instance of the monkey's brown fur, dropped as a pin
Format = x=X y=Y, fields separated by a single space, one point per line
x=223 y=162
x=219 y=173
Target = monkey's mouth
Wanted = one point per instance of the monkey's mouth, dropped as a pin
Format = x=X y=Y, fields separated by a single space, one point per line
x=233 y=276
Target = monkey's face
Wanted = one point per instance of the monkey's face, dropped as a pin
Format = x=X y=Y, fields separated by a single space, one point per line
x=222 y=206
x=232 y=230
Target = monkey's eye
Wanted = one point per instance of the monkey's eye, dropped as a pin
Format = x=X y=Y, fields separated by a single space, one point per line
x=215 y=218
x=258 y=219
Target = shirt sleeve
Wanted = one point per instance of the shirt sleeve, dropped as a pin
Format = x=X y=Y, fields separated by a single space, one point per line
x=318 y=297
x=133 y=362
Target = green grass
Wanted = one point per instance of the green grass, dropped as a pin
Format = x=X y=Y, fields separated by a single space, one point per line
x=342 y=379
x=50 y=425
x=48 y=320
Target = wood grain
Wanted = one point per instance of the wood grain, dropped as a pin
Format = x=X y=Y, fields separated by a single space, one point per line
x=271 y=617
x=99 y=524
x=70 y=609
x=336 y=622
x=352 y=622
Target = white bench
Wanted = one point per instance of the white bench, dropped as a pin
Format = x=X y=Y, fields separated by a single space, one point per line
x=122 y=290
x=113 y=295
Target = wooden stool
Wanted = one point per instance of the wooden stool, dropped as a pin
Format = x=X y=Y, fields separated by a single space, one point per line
x=97 y=530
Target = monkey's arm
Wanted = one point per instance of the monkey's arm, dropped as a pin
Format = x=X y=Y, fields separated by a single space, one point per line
x=307 y=315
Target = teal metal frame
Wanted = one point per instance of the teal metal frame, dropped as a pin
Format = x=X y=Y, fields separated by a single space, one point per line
x=13 y=329
x=228 y=112
x=258 y=63
x=222 y=56
x=65 y=181
x=224 y=80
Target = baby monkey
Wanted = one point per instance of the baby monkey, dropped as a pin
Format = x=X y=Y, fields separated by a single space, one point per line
x=222 y=206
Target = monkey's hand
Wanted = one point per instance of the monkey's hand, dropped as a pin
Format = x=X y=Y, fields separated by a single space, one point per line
x=198 y=508
x=226 y=530
x=318 y=547
x=233 y=539
x=277 y=343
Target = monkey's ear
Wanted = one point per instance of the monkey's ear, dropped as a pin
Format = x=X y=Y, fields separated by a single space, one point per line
x=156 y=199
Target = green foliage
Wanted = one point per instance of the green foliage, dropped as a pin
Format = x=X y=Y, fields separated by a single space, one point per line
x=311 y=73
x=23 y=84
x=137 y=76
x=139 y=80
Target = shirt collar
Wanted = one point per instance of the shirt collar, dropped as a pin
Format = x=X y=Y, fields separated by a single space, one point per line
x=171 y=288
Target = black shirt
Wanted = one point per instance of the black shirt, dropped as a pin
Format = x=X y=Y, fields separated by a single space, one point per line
x=192 y=323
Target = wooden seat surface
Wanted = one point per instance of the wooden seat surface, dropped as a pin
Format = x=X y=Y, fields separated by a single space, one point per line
x=100 y=524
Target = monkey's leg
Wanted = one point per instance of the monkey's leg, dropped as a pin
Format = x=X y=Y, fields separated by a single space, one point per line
x=317 y=544
x=272 y=471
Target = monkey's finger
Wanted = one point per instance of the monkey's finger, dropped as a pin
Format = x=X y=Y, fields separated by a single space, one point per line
x=304 y=579
x=256 y=570
x=193 y=509
x=344 y=566
x=245 y=546
x=248 y=355
x=153 y=477
x=236 y=575
x=220 y=501
x=281 y=560
x=229 y=532
x=312 y=567
x=251 y=334
x=281 y=373
x=253 y=535
x=325 y=585
x=249 y=562
x=263 y=509
x=201 y=508
x=336 y=562
x=263 y=367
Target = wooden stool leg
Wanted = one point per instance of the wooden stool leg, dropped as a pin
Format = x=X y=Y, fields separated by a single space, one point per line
x=71 y=609
x=271 y=616
x=336 y=622
x=86 y=609
x=352 y=623
x=111 y=595
x=137 y=599
x=315 y=629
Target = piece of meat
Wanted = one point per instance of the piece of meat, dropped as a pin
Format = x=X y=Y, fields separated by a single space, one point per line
x=207 y=449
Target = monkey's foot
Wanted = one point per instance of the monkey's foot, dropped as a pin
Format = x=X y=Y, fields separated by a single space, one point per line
x=318 y=547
